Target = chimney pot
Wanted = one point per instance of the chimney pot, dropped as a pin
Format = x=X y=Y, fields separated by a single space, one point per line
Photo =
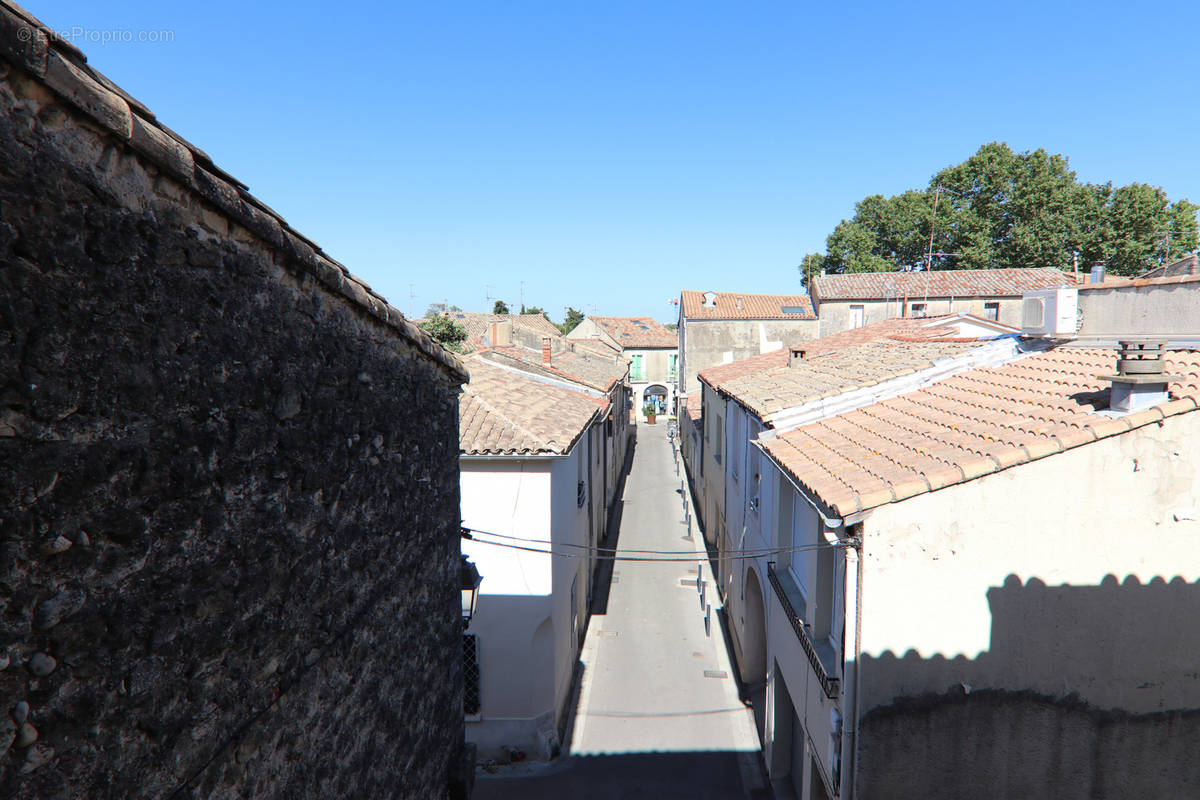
x=1139 y=382
x=546 y=350
x=795 y=355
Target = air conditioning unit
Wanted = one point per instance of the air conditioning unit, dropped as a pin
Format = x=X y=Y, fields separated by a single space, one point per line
x=1050 y=312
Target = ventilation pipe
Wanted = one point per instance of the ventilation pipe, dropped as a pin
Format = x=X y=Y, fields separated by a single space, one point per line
x=1139 y=382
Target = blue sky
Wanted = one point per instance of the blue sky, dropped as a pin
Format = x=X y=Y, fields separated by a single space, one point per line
x=610 y=154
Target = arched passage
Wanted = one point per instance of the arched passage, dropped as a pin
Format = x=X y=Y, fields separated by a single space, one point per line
x=754 y=632
x=659 y=396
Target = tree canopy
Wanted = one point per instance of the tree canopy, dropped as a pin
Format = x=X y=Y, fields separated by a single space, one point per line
x=1000 y=209
x=446 y=331
x=433 y=309
x=572 y=320
x=500 y=307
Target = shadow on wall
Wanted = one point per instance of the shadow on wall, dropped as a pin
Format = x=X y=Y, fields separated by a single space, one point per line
x=659 y=775
x=1085 y=692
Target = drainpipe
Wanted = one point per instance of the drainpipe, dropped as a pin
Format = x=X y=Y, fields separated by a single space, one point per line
x=853 y=681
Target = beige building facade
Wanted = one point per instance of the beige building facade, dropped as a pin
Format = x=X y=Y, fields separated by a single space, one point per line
x=853 y=300
x=999 y=597
x=721 y=327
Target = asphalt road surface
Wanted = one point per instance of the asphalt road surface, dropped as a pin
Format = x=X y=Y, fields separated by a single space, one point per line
x=658 y=714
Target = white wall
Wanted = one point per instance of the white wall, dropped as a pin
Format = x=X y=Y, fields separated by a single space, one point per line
x=990 y=582
x=523 y=621
x=712 y=478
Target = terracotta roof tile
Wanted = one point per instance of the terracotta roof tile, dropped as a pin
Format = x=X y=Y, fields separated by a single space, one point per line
x=476 y=324
x=739 y=305
x=944 y=283
x=637 y=332
x=900 y=329
x=970 y=425
x=828 y=374
x=586 y=368
x=502 y=412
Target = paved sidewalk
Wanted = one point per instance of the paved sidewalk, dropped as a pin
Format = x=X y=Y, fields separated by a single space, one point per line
x=658 y=713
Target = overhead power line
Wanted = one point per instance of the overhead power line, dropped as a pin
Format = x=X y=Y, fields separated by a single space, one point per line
x=565 y=550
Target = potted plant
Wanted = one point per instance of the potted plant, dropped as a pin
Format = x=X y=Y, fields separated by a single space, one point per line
x=651 y=411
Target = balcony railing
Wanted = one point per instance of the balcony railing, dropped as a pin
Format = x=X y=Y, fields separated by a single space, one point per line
x=830 y=684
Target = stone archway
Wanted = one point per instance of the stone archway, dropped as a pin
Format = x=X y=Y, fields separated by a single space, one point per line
x=658 y=394
x=754 y=632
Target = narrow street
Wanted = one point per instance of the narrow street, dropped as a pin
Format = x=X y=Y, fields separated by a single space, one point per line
x=658 y=712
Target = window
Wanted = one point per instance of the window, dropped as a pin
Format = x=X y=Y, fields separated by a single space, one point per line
x=636 y=370
x=804 y=536
x=718 y=437
x=471 y=697
x=735 y=441
x=581 y=490
x=991 y=311
x=672 y=358
x=575 y=609
x=917 y=309
x=858 y=316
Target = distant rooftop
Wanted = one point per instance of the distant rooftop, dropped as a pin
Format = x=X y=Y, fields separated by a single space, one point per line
x=476 y=324
x=740 y=305
x=502 y=412
x=939 y=283
x=584 y=367
x=832 y=364
x=636 y=332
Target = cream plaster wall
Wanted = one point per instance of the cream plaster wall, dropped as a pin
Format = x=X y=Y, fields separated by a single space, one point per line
x=707 y=343
x=835 y=314
x=1076 y=573
x=1140 y=310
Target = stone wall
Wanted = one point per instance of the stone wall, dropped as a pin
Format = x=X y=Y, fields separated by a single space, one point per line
x=999 y=744
x=228 y=492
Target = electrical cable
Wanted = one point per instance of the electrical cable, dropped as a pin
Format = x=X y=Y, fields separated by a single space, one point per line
x=664 y=556
x=592 y=549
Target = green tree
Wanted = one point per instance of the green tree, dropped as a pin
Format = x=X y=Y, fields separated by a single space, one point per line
x=500 y=307
x=433 y=309
x=572 y=320
x=446 y=331
x=1001 y=208
x=534 y=310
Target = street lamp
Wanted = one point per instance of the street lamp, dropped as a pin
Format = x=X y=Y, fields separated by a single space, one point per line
x=470 y=580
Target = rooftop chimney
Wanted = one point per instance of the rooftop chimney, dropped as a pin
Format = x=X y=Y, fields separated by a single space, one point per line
x=1139 y=382
x=795 y=356
x=501 y=333
x=739 y=302
x=546 y=350
x=1097 y=275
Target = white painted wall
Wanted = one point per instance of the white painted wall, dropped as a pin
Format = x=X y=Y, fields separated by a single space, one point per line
x=523 y=621
x=1067 y=574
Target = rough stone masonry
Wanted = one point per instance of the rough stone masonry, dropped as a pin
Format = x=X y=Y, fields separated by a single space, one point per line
x=228 y=479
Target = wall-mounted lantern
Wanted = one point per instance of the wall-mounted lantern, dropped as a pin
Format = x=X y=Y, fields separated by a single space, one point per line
x=470 y=580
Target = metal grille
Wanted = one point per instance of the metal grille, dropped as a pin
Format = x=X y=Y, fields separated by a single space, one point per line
x=471 y=703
